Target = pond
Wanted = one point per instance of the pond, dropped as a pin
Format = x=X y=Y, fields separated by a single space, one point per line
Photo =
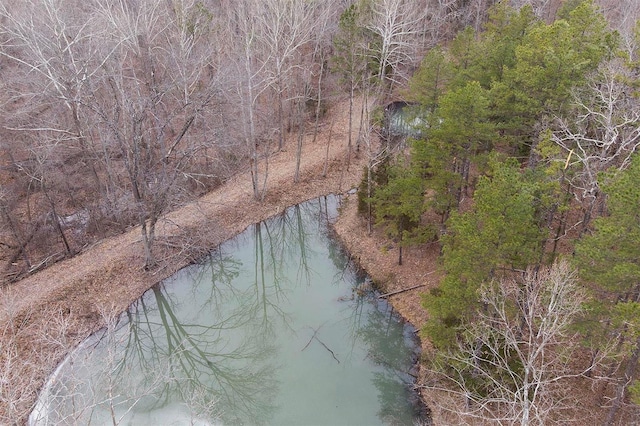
x=402 y=120
x=275 y=327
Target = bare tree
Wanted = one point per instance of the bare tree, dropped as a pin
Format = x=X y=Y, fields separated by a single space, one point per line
x=117 y=91
x=272 y=49
x=27 y=354
x=158 y=83
x=283 y=29
x=376 y=152
x=515 y=359
x=604 y=133
x=56 y=50
x=250 y=84
x=351 y=59
x=400 y=25
x=623 y=16
x=14 y=239
x=543 y=9
x=311 y=72
x=472 y=13
x=16 y=378
x=41 y=175
x=48 y=65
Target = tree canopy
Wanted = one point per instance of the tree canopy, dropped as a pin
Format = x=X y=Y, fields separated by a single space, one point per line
x=498 y=236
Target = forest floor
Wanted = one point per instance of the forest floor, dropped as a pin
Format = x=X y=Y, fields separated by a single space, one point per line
x=44 y=316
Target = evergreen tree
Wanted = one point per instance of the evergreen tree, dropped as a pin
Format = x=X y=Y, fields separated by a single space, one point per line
x=609 y=256
x=399 y=205
x=499 y=235
x=459 y=135
x=505 y=30
x=608 y=263
x=465 y=52
x=430 y=82
x=550 y=61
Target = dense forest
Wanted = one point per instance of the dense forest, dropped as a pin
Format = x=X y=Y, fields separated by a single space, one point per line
x=115 y=113
x=525 y=174
x=521 y=166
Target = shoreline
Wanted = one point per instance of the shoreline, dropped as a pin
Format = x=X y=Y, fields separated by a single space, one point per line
x=377 y=256
x=44 y=316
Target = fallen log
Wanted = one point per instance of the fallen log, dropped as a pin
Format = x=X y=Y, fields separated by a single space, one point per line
x=383 y=296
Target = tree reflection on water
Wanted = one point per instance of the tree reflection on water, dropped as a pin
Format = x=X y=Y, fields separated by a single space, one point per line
x=207 y=346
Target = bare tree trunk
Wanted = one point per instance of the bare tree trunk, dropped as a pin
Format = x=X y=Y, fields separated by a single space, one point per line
x=365 y=108
x=267 y=154
x=629 y=373
x=147 y=229
x=252 y=139
x=319 y=97
x=17 y=236
x=301 y=129
x=349 y=137
x=56 y=220
x=326 y=155
x=280 y=114
x=369 y=204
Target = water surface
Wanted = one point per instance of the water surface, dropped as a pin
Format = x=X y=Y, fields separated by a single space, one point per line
x=275 y=327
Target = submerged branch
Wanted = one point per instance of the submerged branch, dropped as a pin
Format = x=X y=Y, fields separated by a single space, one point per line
x=327 y=348
x=315 y=332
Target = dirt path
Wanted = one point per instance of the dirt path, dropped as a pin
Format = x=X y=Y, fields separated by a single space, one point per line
x=96 y=276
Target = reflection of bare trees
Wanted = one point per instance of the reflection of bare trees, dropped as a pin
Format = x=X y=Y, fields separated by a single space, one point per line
x=161 y=354
x=288 y=248
x=395 y=380
x=236 y=376
x=205 y=346
x=286 y=240
x=216 y=273
x=390 y=348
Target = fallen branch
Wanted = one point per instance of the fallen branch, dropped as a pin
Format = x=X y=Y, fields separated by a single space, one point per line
x=382 y=296
x=315 y=331
x=327 y=348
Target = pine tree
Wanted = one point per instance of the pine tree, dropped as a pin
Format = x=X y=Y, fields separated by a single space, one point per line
x=499 y=235
x=399 y=205
x=551 y=60
x=608 y=263
x=458 y=137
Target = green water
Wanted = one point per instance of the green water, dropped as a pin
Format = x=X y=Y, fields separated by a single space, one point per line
x=272 y=328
